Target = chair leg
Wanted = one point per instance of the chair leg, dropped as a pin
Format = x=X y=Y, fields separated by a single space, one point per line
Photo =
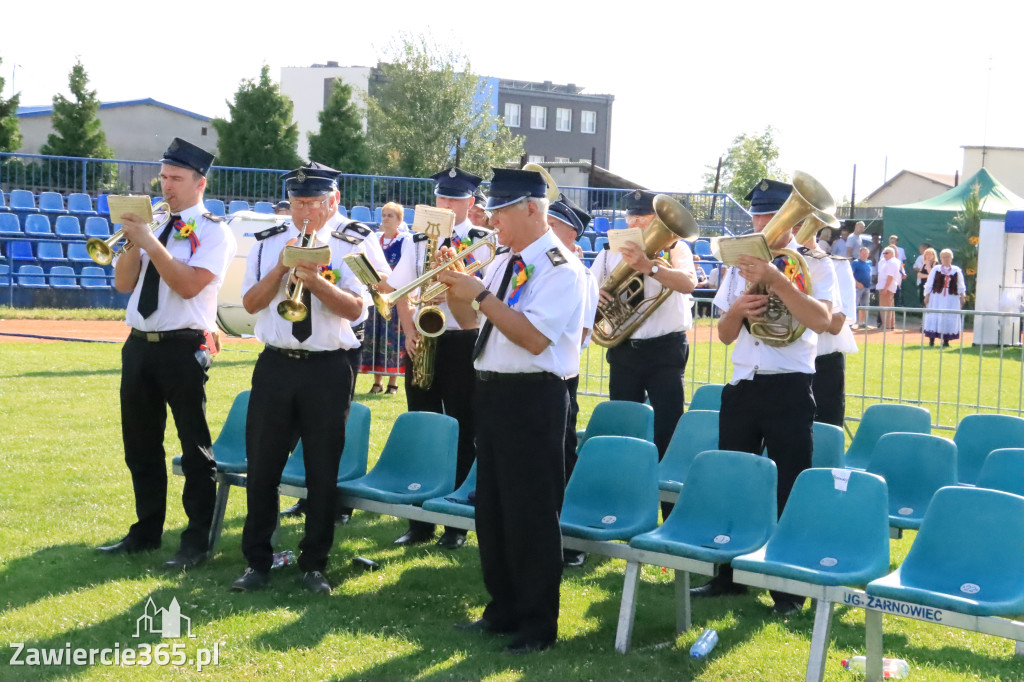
x=627 y=608
x=819 y=640
x=682 y=580
x=220 y=507
x=1018 y=649
x=873 y=645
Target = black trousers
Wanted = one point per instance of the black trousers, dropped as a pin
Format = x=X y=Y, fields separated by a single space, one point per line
x=652 y=368
x=571 y=386
x=774 y=411
x=829 y=388
x=153 y=377
x=450 y=394
x=292 y=399
x=520 y=487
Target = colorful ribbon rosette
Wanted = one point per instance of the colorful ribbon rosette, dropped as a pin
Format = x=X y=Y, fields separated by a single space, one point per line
x=331 y=275
x=520 y=273
x=791 y=269
x=187 y=231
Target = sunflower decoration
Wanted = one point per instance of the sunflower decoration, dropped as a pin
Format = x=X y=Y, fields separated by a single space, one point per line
x=331 y=275
x=187 y=230
x=971 y=272
x=974 y=241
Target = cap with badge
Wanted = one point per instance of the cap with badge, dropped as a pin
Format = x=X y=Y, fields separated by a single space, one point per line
x=768 y=196
x=184 y=154
x=640 y=202
x=455 y=183
x=311 y=180
x=509 y=186
x=566 y=211
x=478 y=197
x=283 y=205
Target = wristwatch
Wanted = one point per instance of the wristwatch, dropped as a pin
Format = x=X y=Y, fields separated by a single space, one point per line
x=475 y=303
x=654 y=270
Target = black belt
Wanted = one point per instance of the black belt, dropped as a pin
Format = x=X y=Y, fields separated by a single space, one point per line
x=172 y=335
x=641 y=343
x=517 y=378
x=459 y=332
x=299 y=354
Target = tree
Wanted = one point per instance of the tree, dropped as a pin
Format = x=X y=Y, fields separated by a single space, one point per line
x=261 y=133
x=424 y=107
x=10 y=133
x=340 y=143
x=77 y=130
x=748 y=159
x=965 y=230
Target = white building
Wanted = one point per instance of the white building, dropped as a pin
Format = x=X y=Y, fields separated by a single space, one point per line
x=1005 y=163
x=309 y=88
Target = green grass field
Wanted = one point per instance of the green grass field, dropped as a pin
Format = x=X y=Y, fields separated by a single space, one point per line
x=66 y=490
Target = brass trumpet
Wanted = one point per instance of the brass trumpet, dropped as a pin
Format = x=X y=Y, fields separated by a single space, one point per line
x=292 y=308
x=102 y=250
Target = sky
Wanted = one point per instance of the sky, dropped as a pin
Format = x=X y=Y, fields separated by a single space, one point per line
x=880 y=85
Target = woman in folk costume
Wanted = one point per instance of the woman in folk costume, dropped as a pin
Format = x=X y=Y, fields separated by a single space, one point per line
x=944 y=290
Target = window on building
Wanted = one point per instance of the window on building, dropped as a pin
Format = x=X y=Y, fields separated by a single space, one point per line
x=561 y=159
x=513 y=113
x=203 y=131
x=535 y=158
x=563 y=120
x=588 y=122
x=538 y=117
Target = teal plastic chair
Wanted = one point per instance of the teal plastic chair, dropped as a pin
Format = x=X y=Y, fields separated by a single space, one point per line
x=618 y=418
x=695 y=432
x=229 y=448
x=829 y=446
x=879 y=420
x=979 y=434
x=416 y=464
x=613 y=491
x=914 y=466
x=1003 y=470
x=353 y=457
x=727 y=508
x=707 y=397
x=462 y=502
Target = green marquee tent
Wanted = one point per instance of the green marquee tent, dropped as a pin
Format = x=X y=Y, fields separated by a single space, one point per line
x=929 y=220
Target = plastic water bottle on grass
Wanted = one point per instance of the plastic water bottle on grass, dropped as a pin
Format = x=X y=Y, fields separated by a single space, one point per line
x=892 y=668
x=704 y=644
x=282 y=559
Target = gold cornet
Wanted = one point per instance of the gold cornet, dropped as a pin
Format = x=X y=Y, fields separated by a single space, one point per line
x=102 y=250
x=292 y=308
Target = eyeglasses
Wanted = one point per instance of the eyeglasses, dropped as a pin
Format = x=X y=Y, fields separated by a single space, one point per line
x=490 y=213
x=310 y=205
x=388 y=215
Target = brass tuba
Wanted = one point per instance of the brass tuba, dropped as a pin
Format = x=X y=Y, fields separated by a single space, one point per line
x=777 y=326
x=626 y=311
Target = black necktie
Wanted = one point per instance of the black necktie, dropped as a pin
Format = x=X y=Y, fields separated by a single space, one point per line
x=303 y=329
x=149 y=296
x=485 y=331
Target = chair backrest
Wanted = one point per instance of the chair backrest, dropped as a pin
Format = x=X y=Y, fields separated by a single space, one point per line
x=102 y=206
x=615 y=481
x=342 y=211
x=979 y=434
x=31 y=276
x=9 y=224
x=264 y=207
x=5 y=275
x=97 y=226
x=601 y=224
x=1003 y=470
x=77 y=253
x=410 y=215
x=68 y=226
x=22 y=198
x=420 y=450
x=695 y=432
x=599 y=243
x=585 y=243
x=51 y=201
x=619 y=224
x=971 y=542
x=80 y=203
x=38 y=226
x=377 y=217
x=63 y=276
x=353 y=457
x=238 y=205
x=620 y=418
x=879 y=420
x=825 y=526
x=19 y=250
x=361 y=213
x=730 y=494
x=914 y=466
x=829 y=446
x=230 y=443
x=50 y=251
x=93 y=277
x=707 y=397
x=702 y=247
x=215 y=206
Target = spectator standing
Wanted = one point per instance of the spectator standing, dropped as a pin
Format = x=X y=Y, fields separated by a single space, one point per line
x=926 y=262
x=384 y=351
x=862 y=277
x=945 y=289
x=888 y=283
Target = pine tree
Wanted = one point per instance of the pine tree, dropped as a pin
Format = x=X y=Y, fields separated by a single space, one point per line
x=261 y=133
x=10 y=133
x=340 y=143
x=77 y=130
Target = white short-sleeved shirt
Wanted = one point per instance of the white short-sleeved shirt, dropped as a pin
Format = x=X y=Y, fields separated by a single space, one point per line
x=358 y=237
x=330 y=331
x=216 y=248
x=552 y=299
x=676 y=313
x=414 y=257
x=752 y=356
x=887 y=268
x=845 y=303
x=590 y=307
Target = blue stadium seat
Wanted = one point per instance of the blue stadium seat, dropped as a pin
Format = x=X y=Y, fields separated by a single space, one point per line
x=238 y=205
x=68 y=226
x=52 y=203
x=377 y=215
x=585 y=243
x=31 y=276
x=342 y=211
x=707 y=397
x=94 y=277
x=20 y=250
x=619 y=418
x=829 y=446
x=5 y=275
x=38 y=226
x=914 y=466
x=1003 y=470
x=4 y=208
x=9 y=225
x=215 y=206
x=410 y=215
x=80 y=204
x=50 y=251
x=155 y=200
x=63 y=277
x=727 y=508
x=879 y=420
x=702 y=248
x=362 y=214
x=101 y=205
x=979 y=434
x=97 y=226
x=695 y=432
x=353 y=457
x=462 y=502
x=599 y=244
x=601 y=224
x=77 y=253
x=22 y=201
x=264 y=207
x=619 y=224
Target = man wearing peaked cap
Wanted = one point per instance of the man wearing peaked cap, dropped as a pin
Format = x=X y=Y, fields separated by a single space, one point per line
x=173 y=275
x=451 y=392
x=640 y=203
x=768 y=402
x=476 y=213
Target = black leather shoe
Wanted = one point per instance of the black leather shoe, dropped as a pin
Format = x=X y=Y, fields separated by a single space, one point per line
x=483 y=625
x=297 y=509
x=784 y=607
x=413 y=537
x=452 y=539
x=315 y=582
x=129 y=546
x=715 y=589
x=250 y=580
x=185 y=559
x=527 y=646
x=573 y=559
